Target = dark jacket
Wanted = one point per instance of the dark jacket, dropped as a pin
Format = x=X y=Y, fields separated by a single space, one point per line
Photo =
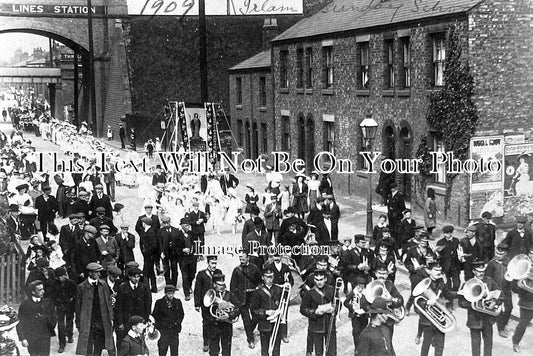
x=436 y=286
x=97 y=222
x=311 y=300
x=68 y=238
x=231 y=182
x=197 y=228
x=406 y=230
x=448 y=255
x=81 y=206
x=281 y=276
x=395 y=207
x=132 y=346
x=83 y=253
x=36 y=320
x=63 y=294
x=244 y=280
x=475 y=319
x=37 y=274
x=322 y=234
x=168 y=318
x=204 y=282
x=486 y=234
x=375 y=341
x=46 y=210
x=264 y=299
x=148 y=240
x=132 y=302
x=104 y=202
x=272 y=216
x=473 y=252
x=126 y=246
x=155 y=223
x=165 y=238
x=518 y=244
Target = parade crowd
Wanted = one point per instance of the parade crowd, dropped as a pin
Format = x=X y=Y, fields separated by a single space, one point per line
x=84 y=273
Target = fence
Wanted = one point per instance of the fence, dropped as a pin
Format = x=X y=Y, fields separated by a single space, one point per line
x=12 y=277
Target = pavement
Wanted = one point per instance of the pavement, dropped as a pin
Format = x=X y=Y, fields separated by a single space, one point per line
x=353 y=220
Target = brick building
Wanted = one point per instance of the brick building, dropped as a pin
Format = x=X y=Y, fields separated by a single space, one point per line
x=386 y=57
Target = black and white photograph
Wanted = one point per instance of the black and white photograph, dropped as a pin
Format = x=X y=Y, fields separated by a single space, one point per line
x=266 y=177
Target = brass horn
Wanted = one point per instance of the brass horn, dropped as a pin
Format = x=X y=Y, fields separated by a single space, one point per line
x=477 y=293
x=520 y=268
x=218 y=308
x=377 y=289
x=437 y=314
x=152 y=333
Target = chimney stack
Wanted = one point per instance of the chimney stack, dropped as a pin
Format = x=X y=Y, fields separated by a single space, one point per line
x=270 y=30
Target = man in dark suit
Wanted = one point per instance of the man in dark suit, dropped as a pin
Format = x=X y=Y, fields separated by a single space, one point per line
x=159 y=176
x=100 y=219
x=84 y=252
x=254 y=239
x=291 y=218
x=150 y=251
x=406 y=232
x=148 y=209
x=133 y=298
x=197 y=220
x=323 y=229
x=395 y=208
x=451 y=265
x=126 y=243
x=264 y=303
x=37 y=321
x=335 y=215
x=47 y=208
x=204 y=282
x=81 y=205
x=122 y=135
x=187 y=258
x=168 y=314
x=12 y=222
x=42 y=273
x=249 y=225
x=228 y=180
x=167 y=237
x=99 y=199
x=69 y=234
x=519 y=240
x=471 y=251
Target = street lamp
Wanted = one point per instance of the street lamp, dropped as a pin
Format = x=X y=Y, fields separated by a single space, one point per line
x=369 y=128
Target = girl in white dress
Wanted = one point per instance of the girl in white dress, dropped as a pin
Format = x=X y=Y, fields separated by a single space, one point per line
x=234 y=213
x=217 y=215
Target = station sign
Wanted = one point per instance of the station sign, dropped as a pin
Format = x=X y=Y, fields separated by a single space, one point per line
x=50 y=10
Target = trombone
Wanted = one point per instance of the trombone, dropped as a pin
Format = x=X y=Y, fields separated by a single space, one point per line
x=280 y=316
x=336 y=304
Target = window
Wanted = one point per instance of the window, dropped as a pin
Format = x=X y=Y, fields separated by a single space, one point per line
x=438 y=146
x=286 y=138
x=329 y=136
x=238 y=83
x=239 y=132
x=389 y=59
x=309 y=68
x=364 y=65
x=406 y=62
x=264 y=138
x=439 y=56
x=327 y=69
x=299 y=68
x=284 y=80
x=262 y=92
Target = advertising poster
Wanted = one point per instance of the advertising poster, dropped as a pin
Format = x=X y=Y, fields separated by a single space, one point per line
x=486 y=185
x=518 y=186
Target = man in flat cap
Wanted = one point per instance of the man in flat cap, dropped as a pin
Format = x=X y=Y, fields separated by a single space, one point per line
x=518 y=240
x=150 y=251
x=100 y=219
x=168 y=314
x=43 y=273
x=406 y=232
x=357 y=306
x=99 y=199
x=148 y=213
x=249 y=225
x=415 y=262
x=448 y=248
x=108 y=246
x=197 y=219
x=63 y=295
x=84 y=252
x=204 y=282
x=69 y=234
x=94 y=314
x=47 y=208
x=126 y=244
x=134 y=342
x=486 y=230
x=167 y=237
x=470 y=251
x=13 y=222
x=81 y=205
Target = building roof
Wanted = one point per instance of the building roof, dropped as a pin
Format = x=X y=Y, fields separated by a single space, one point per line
x=260 y=60
x=347 y=15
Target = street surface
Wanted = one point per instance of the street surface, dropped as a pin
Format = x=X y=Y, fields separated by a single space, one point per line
x=353 y=220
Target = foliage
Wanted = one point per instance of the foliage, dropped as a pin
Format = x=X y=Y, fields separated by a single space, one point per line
x=452 y=112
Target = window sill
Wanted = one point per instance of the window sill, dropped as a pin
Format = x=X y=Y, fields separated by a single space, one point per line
x=404 y=92
x=238 y=107
x=362 y=92
x=309 y=91
x=327 y=91
x=262 y=108
x=299 y=90
x=284 y=90
x=388 y=92
x=440 y=188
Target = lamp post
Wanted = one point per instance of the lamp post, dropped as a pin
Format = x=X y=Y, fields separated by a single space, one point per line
x=369 y=128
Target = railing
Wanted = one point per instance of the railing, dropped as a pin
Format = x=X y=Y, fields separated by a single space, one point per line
x=12 y=276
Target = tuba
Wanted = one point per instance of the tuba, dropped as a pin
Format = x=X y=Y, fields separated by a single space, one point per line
x=520 y=268
x=218 y=308
x=337 y=305
x=377 y=289
x=280 y=315
x=477 y=293
x=437 y=314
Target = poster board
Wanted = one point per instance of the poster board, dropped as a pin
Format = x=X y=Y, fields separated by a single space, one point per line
x=518 y=183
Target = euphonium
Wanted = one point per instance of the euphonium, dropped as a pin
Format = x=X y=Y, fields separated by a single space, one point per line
x=218 y=308
x=476 y=292
x=281 y=313
x=437 y=314
x=377 y=289
x=520 y=268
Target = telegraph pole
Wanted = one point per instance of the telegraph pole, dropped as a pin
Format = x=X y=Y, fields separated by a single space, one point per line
x=92 y=85
x=203 y=52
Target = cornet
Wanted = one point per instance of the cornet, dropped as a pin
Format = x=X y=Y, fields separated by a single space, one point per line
x=437 y=314
x=520 y=268
x=477 y=293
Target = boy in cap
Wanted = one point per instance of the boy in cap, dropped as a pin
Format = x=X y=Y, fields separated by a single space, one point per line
x=264 y=304
x=479 y=323
x=406 y=232
x=150 y=251
x=204 y=282
x=376 y=338
x=126 y=244
x=148 y=213
x=448 y=249
x=69 y=234
x=357 y=306
x=63 y=294
x=486 y=230
x=415 y=261
x=84 y=252
x=134 y=343
x=108 y=246
x=43 y=273
x=470 y=251
x=519 y=240
x=47 y=208
x=496 y=269
x=168 y=314
x=100 y=219
x=99 y=199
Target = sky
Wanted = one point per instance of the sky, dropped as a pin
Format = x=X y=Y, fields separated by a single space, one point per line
x=9 y=42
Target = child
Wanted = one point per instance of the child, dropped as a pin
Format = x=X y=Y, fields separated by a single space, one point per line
x=63 y=294
x=56 y=255
x=217 y=216
x=285 y=198
x=377 y=234
x=134 y=343
x=234 y=213
x=251 y=198
x=109 y=133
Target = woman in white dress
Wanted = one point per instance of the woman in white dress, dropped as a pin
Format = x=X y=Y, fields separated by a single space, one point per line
x=523 y=185
x=234 y=213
